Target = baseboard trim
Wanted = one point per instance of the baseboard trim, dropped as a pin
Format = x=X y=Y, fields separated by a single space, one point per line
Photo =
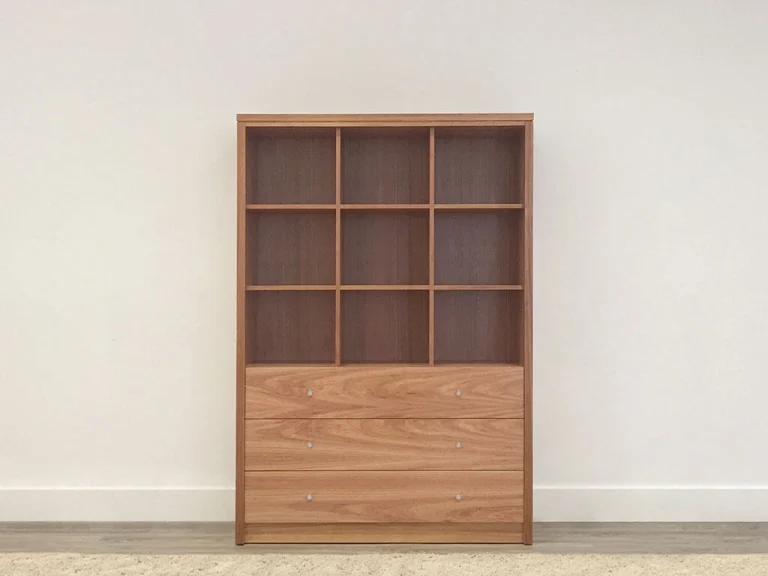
x=650 y=504
x=121 y=504
x=550 y=504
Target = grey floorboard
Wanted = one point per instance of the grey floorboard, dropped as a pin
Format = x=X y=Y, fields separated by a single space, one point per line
x=218 y=538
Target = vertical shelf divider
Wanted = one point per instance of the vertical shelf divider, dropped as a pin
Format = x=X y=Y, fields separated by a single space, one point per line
x=431 y=246
x=338 y=248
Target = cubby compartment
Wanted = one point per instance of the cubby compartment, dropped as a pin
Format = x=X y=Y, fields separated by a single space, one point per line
x=479 y=165
x=290 y=166
x=385 y=327
x=479 y=326
x=290 y=327
x=385 y=166
x=290 y=247
x=479 y=247
x=383 y=247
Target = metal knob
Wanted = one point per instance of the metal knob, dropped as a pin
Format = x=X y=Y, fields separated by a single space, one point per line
x=458 y=392
x=309 y=444
x=309 y=497
x=458 y=496
x=458 y=444
x=309 y=392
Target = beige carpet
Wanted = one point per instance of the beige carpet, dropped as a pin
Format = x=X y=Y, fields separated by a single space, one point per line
x=413 y=564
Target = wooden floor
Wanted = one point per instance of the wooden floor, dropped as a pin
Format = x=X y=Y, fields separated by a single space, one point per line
x=211 y=538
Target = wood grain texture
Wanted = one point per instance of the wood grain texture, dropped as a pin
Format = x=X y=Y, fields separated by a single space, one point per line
x=290 y=167
x=289 y=207
x=385 y=207
x=347 y=203
x=240 y=359
x=477 y=167
x=494 y=391
x=477 y=326
x=337 y=304
x=476 y=207
x=477 y=287
x=443 y=533
x=384 y=120
x=289 y=287
x=290 y=248
x=384 y=327
x=431 y=246
x=337 y=328
x=384 y=287
x=478 y=248
x=384 y=444
x=385 y=169
x=290 y=327
x=383 y=497
x=380 y=207
x=385 y=248
x=528 y=337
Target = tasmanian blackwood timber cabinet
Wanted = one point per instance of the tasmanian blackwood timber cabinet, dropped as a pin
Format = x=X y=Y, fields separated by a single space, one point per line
x=384 y=328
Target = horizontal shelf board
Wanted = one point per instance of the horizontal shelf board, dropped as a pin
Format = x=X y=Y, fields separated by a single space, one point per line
x=474 y=287
x=358 y=365
x=378 y=418
x=469 y=207
x=356 y=470
x=385 y=287
x=285 y=207
x=384 y=120
x=290 y=287
x=389 y=207
x=378 y=287
x=385 y=207
x=289 y=365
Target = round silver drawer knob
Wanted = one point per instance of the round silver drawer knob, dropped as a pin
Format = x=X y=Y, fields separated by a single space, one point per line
x=309 y=497
x=458 y=496
x=309 y=393
x=458 y=393
x=458 y=444
x=309 y=444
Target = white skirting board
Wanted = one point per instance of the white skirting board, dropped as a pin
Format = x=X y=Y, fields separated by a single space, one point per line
x=119 y=504
x=650 y=504
x=551 y=504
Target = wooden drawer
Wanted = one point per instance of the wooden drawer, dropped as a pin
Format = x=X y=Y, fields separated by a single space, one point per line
x=383 y=497
x=473 y=391
x=390 y=444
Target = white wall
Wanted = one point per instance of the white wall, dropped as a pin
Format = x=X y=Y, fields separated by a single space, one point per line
x=117 y=235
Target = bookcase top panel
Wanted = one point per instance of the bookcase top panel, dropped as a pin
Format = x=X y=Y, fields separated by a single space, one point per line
x=350 y=120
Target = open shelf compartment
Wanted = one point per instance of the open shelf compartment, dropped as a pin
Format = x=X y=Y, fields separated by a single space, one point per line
x=290 y=327
x=482 y=247
x=290 y=166
x=385 y=247
x=479 y=327
x=287 y=248
x=385 y=166
x=385 y=327
x=480 y=165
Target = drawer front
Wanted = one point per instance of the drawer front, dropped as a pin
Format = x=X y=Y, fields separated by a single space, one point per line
x=481 y=391
x=383 y=497
x=390 y=444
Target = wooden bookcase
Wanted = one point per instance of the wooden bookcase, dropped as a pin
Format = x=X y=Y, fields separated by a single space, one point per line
x=384 y=328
